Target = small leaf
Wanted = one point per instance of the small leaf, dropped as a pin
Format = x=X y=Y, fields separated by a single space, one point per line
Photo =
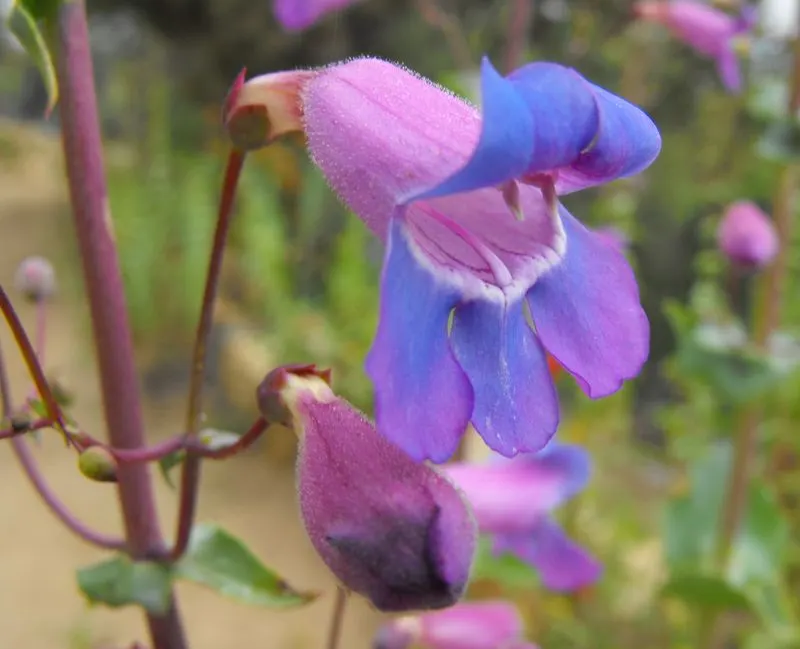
x=691 y=522
x=222 y=562
x=218 y=439
x=22 y=24
x=169 y=462
x=706 y=592
x=121 y=582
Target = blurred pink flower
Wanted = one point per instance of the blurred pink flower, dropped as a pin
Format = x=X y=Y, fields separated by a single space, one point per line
x=297 y=15
x=469 y=625
x=706 y=29
x=513 y=501
x=747 y=236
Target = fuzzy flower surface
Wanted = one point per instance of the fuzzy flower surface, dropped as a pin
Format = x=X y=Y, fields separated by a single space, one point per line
x=297 y=15
x=468 y=625
x=394 y=530
x=478 y=245
x=747 y=236
x=513 y=501
x=708 y=30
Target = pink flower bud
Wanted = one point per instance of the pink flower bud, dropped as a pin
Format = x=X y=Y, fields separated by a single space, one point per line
x=469 y=625
x=393 y=530
x=747 y=236
x=35 y=279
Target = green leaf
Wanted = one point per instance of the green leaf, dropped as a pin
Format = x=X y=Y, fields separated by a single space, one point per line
x=719 y=356
x=169 y=462
x=121 y=582
x=691 y=522
x=706 y=592
x=505 y=569
x=760 y=549
x=222 y=562
x=780 y=141
x=22 y=22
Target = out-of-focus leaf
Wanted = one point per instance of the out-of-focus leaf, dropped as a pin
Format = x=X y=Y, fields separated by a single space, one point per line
x=760 y=548
x=768 y=101
x=22 y=22
x=774 y=607
x=720 y=356
x=706 y=592
x=505 y=569
x=121 y=582
x=222 y=562
x=780 y=142
x=691 y=521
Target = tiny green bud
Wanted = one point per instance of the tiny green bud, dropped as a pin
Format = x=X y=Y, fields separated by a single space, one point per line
x=97 y=464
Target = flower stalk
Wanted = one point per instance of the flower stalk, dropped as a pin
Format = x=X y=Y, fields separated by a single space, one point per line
x=119 y=382
x=190 y=476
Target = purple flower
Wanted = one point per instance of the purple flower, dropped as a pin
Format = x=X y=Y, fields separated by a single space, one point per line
x=469 y=625
x=708 y=30
x=513 y=499
x=747 y=236
x=297 y=15
x=391 y=529
x=475 y=237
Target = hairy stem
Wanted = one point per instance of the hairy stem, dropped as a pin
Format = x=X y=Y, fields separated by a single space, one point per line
x=190 y=476
x=119 y=382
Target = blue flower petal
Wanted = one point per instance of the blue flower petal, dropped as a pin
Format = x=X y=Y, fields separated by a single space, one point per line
x=564 y=112
x=516 y=406
x=587 y=312
x=504 y=148
x=563 y=565
x=627 y=142
x=423 y=399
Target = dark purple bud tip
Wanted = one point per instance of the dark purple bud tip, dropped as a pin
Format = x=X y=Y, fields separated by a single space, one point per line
x=271 y=393
x=35 y=279
x=394 y=530
x=398 y=634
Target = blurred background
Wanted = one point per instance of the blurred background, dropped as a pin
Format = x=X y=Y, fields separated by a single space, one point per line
x=300 y=285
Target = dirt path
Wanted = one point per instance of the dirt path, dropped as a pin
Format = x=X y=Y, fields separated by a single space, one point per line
x=40 y=607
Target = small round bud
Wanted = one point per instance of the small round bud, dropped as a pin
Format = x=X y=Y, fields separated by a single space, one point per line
x=747 y=236
x=21 y=423
x=97 y=464
x=35 y=279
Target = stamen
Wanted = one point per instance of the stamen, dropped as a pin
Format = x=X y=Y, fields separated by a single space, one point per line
x=511 y=196
x=501 y=274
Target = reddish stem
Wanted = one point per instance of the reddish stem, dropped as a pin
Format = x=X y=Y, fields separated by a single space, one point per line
x=258 y=427
x=30 y=358
x=519 y=25
x=190 y=476
x=119 y=382
x=8 y=433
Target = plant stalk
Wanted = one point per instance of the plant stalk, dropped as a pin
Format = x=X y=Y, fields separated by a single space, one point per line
x=119 y=382
x=190 y=476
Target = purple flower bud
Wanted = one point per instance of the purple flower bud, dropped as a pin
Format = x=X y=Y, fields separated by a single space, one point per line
x=747 y=236
x=35 y=279
x=391 y=529
x=469 y=625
